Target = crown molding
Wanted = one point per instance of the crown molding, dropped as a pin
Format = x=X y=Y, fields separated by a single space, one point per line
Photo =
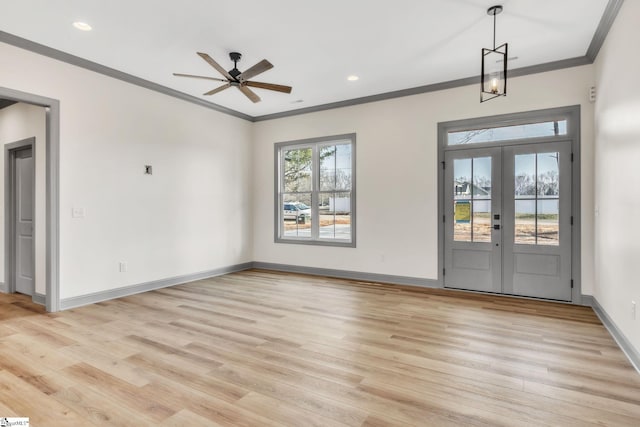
x=112 y=72
x=606 y=22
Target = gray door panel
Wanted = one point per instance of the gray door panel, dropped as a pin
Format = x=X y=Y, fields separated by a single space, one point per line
x=511 y=233
x=472 y=197
x=537 y=221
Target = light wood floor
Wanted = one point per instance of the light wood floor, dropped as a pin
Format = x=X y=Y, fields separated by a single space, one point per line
x=268 y=349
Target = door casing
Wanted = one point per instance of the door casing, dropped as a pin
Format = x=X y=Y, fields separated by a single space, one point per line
x=51 y=227
x=572 y=114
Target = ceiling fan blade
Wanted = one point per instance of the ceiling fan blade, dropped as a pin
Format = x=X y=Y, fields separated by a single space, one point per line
x=199 y=77
x=215 y=65
x=218 y=89
x=270 y=86
x=260 y=67
x=249 y=93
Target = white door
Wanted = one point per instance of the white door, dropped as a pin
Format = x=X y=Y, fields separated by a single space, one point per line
x=508 y=220
x=23 y=226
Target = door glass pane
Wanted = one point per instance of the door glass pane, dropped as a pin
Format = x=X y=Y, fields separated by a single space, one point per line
x=548 y=224
x=548 y=175
x=537 y=198
x=525 y=222
x=462 y=200
x=481 y=221
x=525 y=176
x=482 y=178
x=472 y=199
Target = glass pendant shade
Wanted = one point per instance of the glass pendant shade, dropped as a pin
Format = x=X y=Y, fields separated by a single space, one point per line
x=494 y=73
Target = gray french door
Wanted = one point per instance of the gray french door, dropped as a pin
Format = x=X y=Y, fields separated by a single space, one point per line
x=508 y=220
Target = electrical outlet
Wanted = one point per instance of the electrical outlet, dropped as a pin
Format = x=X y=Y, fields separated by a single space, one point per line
x=633 y=310
x=77 y=212
x=123 y=267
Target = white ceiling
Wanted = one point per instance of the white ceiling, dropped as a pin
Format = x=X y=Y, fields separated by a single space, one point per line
x=314 y=46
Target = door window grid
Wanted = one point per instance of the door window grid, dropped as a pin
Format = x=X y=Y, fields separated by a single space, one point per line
x=537 y=199
x=472 y=199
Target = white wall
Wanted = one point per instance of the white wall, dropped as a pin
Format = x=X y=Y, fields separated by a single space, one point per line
x=617 y=191
x=397 y=163
x=193 y=214
x=210 y=201
x=17 y=122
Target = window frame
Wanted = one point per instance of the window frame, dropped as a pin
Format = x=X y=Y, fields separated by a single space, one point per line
x=315 y=144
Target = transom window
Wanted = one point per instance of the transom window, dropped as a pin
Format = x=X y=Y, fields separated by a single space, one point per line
x=508 y=132
x=315 y=201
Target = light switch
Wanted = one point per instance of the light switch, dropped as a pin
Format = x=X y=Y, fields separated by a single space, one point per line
x=77 y=212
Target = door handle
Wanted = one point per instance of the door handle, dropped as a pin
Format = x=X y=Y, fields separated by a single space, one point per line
x=496 y=227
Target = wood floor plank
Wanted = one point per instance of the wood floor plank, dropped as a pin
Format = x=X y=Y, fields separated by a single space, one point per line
x=188 y=418
x=260 y=348
x=283 y=413
x=38 y=407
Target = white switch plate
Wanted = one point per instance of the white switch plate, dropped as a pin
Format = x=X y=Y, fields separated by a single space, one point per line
x=77 y=212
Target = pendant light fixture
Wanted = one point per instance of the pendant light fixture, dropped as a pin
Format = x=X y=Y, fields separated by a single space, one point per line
x=493 y=80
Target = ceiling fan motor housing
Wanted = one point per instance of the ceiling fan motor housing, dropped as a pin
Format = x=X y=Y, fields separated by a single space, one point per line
x=235 y=57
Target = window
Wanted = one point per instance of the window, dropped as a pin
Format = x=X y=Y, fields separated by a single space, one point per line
x=510 y=132
x=315 y=191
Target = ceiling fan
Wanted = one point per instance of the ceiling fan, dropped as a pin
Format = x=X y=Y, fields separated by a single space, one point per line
x=238 y=78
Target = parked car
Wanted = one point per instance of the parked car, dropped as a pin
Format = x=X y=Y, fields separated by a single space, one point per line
x=296 y=211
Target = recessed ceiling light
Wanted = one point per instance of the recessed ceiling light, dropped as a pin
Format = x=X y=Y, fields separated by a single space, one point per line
x=83 y=26
x=353 y=78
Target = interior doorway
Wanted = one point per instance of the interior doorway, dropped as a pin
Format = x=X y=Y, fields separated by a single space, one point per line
x=48 y=227
x=508 y=198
